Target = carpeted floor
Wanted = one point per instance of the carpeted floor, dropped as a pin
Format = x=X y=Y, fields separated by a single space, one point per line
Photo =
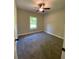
x=39 y=46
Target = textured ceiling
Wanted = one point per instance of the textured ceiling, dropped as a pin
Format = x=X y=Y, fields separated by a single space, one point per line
x=31 y=4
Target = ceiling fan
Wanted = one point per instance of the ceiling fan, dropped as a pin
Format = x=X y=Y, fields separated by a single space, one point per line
x=41 y=7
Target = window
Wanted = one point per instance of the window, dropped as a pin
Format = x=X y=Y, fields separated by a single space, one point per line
x=33 y=22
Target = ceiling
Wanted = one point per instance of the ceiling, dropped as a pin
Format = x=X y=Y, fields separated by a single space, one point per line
x=31 y=4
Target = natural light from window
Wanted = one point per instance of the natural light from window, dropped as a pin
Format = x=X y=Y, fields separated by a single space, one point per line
x=33 y=22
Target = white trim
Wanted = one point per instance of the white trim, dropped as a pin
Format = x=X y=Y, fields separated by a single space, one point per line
x=22 y=34
x=55 y=35
x=29 y=33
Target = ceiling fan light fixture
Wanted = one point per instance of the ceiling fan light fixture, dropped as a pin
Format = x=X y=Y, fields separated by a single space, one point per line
x=42 y=8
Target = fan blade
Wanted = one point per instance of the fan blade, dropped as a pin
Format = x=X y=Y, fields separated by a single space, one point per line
x=41 y=4
x=46 y=8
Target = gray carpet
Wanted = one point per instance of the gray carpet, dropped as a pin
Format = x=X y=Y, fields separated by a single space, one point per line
x=39 y=46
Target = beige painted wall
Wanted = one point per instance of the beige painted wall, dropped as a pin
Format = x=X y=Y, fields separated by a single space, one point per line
x=23 y=21
x=55 y=23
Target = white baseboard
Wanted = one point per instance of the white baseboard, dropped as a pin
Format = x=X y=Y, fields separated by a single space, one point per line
x=40 y=31
x=58 y=37
x=55 y=35
x=29 y=33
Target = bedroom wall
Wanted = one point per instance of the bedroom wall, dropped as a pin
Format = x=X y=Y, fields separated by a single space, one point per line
x=23 y=21
x=55 y=23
